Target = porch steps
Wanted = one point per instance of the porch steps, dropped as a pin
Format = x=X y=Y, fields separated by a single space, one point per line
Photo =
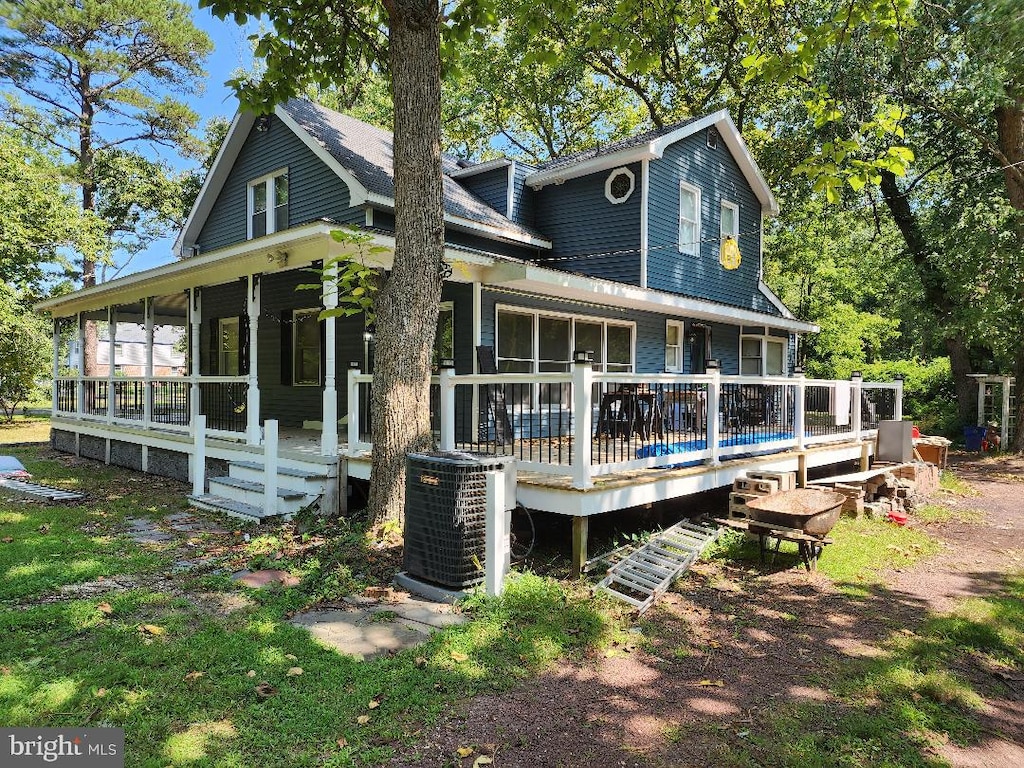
x=293 y=479
x=248 y=512
x=649 y=571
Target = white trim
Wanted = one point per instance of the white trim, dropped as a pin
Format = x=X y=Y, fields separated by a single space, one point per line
x=368 y=216
x=765 y=339
x=615 y=173
x=735 y=208
x=727 y=133
x=645 y=195
x=684 y=247
x=473 y=170
x=269 y=182
x=774 y=299
x=680 y=326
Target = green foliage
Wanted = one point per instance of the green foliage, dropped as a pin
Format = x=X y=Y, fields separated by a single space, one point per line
x=350 y=277
x=929 y=398
x=24 y=351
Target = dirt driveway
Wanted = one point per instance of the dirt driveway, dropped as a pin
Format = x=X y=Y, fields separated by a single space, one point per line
x=714 y=664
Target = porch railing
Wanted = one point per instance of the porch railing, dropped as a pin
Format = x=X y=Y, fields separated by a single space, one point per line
x=586 y=424
x=157 y=402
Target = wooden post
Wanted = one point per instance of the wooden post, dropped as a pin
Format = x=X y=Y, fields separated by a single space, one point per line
x=195 y=317
x=147 y=386
x=199 y=455
x=353 y=406
x=55 y=385
x=898 y=404
x=252 y=392
x=800 y=406
x=329 y=420
x=855 y=390
x=865 y=456
x=270 y=467
x=580 y=530
x=582 y=418
x=111 y=346
x=447 y=405
x=801 y=471
x=496 y=553
x=714 y=392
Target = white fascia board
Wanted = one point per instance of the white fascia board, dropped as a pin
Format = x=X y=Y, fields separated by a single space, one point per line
x=775 y=300
x=461 y=222
x=473 y=170
x=233 y=261
x=238 y=131
x=358 y=194
x=554 y=284
x=593 y=165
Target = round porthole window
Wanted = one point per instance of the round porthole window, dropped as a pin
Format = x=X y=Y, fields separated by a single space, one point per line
x=619 y=186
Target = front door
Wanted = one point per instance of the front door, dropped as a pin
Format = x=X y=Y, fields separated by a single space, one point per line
x=698 y=344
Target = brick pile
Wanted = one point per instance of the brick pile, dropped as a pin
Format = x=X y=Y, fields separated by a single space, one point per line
x=896 y=488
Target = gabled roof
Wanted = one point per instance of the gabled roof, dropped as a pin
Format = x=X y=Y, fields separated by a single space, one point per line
x=651 y=146
x=362 y=155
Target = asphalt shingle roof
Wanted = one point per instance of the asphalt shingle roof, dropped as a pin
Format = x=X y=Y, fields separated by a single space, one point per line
x=367 y=152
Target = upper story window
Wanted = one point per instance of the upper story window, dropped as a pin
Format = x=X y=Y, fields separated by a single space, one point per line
x=268 y=204
x=730 y=220
x=619 y=186
x=689 y=219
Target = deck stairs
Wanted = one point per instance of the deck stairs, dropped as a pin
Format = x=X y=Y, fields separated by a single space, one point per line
x=640 y=578
x=241 y=492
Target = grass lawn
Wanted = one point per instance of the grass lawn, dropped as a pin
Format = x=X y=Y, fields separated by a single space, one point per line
x=161 y=657
x=25 y=429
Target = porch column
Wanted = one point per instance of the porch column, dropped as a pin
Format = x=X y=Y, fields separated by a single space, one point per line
x=856 y=378
x=112 y=345
x=446 y=405
x=147 y=386
x=329 y=428
x=712 y=419
x=582 y=418
x=56 y=367
x=897 y=412
x=195 y=317
x=252 y=394
x=80 y=384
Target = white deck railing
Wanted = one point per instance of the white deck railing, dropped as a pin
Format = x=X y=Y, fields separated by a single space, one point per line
x=637 y=421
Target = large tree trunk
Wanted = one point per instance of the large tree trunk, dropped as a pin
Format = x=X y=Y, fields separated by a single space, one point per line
x=407 y=305
x=86 y=170
x=935 y=294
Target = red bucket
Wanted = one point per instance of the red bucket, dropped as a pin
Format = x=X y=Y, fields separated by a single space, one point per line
x=897 y=516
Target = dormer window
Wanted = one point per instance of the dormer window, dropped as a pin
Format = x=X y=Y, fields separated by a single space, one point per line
x=619 y=185
x=268 y=204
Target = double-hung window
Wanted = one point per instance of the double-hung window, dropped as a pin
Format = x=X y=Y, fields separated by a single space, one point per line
x=762 y=355
x=730 y=221
x=689 y=219
x=268 y=204
x=673 y=346
x=228 y=345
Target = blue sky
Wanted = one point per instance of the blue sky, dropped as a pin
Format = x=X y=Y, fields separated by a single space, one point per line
x=231 y=51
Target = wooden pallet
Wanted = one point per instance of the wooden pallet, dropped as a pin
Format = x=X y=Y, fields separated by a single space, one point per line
x=650 y=570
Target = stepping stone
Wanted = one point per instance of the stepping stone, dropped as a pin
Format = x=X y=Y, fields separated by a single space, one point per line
x=144 y=531
x=264 y=578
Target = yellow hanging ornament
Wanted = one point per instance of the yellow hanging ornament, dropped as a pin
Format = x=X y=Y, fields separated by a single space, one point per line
x=730 y=256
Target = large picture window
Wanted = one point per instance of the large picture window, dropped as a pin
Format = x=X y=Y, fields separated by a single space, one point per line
x=306 y=347
x=268 y=204
x=689 y=219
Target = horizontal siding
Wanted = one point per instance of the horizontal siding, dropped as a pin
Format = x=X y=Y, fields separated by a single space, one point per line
x=461 y=296
x=315 y=191
x=725 y=346
x=719 y=178
x=589 y=234
x=524 y=207
x=217 y=301
x=490 y=186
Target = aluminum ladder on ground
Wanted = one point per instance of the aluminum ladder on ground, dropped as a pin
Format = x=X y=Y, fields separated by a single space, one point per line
x=39 y=492
x=650 y=570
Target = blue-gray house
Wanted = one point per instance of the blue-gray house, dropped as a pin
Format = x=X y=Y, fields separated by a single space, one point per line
x=646 y=252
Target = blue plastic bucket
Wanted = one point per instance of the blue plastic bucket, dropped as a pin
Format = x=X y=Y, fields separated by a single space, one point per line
x=973 y=437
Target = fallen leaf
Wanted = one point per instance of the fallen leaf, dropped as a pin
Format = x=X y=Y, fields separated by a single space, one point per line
x=265 y=690
x=342 y=742
x=712 y=683
x=105 y=608
x=482 y=760
x=7 y=539
x=101 y=692
x=421 y=661
x=5 y=670
x=251 y=673
x=294 y=671
x=374 y=703
x=465 y=751
x=291 y=657
x=152 y=629
x=714 y=644
x=363 y=719
x=459 y=656
x=44 y=528
x=194 y=675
